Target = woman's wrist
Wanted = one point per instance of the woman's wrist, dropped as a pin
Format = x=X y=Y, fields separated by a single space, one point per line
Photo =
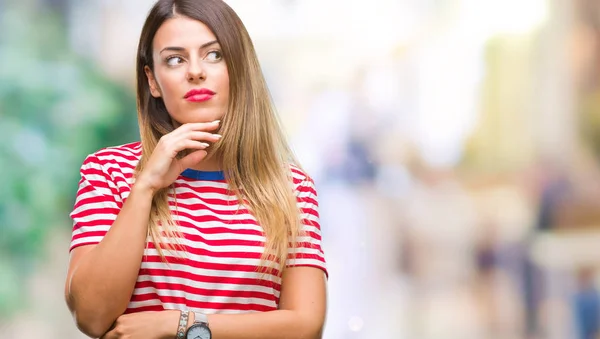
x=169 y=323
x=141 y=187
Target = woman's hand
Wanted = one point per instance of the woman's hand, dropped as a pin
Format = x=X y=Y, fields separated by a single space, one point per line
x=145 y=325
x=163 y=167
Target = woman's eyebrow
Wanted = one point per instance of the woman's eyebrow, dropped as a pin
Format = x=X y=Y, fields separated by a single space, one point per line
x=181 y=49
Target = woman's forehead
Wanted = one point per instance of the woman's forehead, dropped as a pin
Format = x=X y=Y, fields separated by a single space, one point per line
x=184 y=32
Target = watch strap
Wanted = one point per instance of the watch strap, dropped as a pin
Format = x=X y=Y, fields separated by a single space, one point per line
x=200 y=318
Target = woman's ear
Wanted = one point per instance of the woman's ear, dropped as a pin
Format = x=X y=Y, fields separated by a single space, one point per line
x=154 y=88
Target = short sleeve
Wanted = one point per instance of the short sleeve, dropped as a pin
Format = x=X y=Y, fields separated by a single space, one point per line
x=97 y=204
x=309 y=251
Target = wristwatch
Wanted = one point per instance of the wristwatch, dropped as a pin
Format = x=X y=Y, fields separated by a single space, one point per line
x=199 y=329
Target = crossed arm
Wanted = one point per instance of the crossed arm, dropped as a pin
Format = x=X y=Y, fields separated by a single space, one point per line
x=101 y=279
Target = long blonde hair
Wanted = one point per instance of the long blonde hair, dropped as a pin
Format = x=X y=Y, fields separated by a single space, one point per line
x=253 y=152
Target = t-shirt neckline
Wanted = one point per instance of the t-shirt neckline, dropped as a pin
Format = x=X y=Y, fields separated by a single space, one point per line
x=203 y=175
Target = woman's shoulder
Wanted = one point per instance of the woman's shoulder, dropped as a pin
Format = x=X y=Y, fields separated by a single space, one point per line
x=299 y=176
x=123 y=156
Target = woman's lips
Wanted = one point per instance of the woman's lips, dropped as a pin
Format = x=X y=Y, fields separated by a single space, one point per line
x=199 y=95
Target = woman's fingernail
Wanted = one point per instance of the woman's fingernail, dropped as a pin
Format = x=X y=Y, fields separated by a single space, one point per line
x=218 y=136
x=205 y=144
x=217 y=121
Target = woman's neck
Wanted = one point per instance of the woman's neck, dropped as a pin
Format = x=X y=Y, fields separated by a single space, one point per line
x=208 y=164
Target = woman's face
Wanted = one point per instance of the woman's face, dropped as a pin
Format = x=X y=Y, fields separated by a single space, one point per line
x=189 y=73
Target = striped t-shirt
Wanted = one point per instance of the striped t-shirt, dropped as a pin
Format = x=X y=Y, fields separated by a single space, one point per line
x=218 y=270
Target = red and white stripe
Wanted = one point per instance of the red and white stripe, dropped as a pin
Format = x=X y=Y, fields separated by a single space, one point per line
x=217 y=272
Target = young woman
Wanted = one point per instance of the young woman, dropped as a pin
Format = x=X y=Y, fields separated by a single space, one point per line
x=207 y=228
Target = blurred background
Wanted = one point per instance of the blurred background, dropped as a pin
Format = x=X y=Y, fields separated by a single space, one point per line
x=455 y=145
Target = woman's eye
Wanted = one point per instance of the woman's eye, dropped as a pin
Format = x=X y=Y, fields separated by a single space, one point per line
x=214 y=56
x=174 y=60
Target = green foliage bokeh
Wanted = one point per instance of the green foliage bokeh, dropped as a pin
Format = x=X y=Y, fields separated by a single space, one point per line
x=55 y=108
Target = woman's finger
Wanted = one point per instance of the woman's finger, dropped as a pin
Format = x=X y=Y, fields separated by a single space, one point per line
x=202 y=126
x=192 y=159
x=206 y=136
x=173 y=147
x=195 y=126
x=189 y=144
x=186 y=128
x=109 y=335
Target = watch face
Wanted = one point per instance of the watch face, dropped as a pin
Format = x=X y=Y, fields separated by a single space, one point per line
x=198 y=331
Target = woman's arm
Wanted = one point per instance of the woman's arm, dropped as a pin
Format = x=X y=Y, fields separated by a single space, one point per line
x=301 y=315
x=302 y=303
x=101 y=278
